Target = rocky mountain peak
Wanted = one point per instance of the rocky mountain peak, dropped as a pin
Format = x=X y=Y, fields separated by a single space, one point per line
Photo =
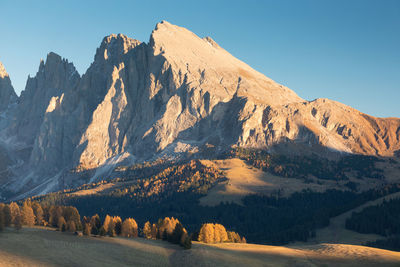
x=7 y=93
x=165 y=32
x=3 y=72
x=114 y=46
x=54 y=77
x=55 y=63
x=53 y=57
x=214 y=68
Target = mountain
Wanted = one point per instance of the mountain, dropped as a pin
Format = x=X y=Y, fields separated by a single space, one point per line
x=169 y=98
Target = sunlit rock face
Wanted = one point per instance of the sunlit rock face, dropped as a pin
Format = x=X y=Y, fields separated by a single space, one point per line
x=167 y=97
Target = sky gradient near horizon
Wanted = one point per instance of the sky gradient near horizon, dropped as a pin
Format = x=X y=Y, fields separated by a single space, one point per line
x=343 y=50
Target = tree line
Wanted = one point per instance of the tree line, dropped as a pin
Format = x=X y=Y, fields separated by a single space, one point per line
x=68 y=219
x=31 y=213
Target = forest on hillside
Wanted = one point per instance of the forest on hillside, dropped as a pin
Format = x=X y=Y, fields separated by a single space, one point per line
x=304 y=166
x=383 y=219
x=175 y=192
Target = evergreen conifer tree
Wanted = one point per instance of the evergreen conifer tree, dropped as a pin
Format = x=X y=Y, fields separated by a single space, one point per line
x=102 y=231
x=177 y=234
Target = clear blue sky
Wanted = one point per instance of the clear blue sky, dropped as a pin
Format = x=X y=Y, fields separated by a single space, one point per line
x=347 y=50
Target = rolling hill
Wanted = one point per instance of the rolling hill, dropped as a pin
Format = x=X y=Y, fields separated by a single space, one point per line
x=43 y=247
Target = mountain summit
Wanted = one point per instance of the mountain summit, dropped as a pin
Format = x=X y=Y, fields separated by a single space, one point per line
x=170 y=97
x=7 y=93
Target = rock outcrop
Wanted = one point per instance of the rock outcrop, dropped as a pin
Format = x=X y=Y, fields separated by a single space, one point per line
x=167 y=97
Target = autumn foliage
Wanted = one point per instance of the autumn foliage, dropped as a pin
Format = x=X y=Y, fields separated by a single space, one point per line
x=64 y=218
x=216 y=233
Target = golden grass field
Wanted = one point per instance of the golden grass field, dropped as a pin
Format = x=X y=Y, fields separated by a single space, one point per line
x=44 y=247
x=244 y=179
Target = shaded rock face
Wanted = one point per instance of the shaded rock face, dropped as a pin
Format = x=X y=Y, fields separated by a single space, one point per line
x=54 y=77
x=170 y=96
x=7 y=93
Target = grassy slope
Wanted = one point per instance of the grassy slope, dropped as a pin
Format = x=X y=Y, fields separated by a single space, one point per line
x=244 y=179
x=40 y=247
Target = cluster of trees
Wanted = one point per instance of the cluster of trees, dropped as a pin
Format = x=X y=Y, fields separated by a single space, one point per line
x=191 y=177
x=10 y=215
x=111 y=226
x=216 y=233
x=64 y=218
x=127 y=173
x=303 y=166
x=33 y=213
x=143 y=170
x=168 y=229
x=171 y=230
